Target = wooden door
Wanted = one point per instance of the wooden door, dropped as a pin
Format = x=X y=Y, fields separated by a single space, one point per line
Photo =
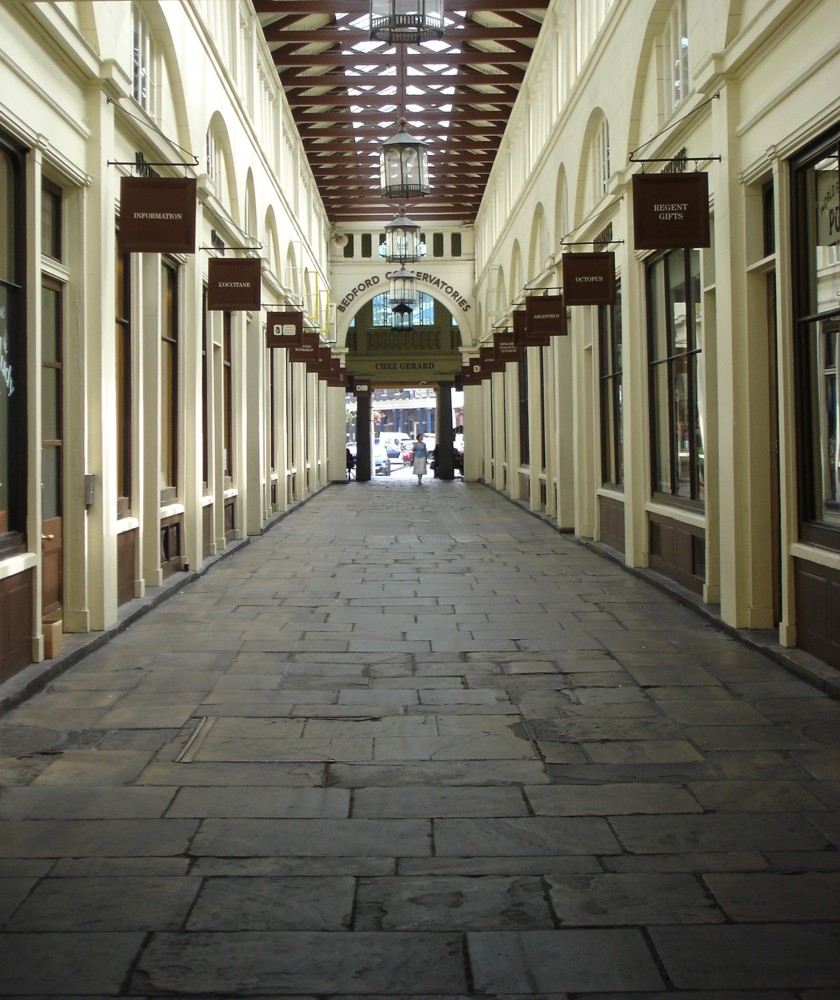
x=51 y=449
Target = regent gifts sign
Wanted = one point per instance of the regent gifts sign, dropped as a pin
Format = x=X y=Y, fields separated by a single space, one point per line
x=157 y=215
x=234 y=284
x=671 y=211
x=589 y=279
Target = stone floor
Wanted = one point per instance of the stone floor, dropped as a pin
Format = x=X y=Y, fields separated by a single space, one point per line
x=412 y=742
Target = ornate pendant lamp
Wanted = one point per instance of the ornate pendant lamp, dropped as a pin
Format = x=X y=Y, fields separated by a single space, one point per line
x=402 y=317
x=403 y=288
x=405 y=21
x=403 y=244
x=403 y=167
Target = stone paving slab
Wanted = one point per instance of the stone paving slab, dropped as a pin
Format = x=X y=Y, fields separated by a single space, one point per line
x=254 y=962
x=495 y=767
x=53 y=964
x=569 y=960
x=98 y=904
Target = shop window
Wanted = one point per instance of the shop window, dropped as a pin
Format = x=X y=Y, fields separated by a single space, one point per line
x=122 y=330
x=227 y=397
x=611 y=372
x=13 y=412
x=205 y=392
x=677 y=403
x=169 y=361
x=816 y=214
x=524 y=422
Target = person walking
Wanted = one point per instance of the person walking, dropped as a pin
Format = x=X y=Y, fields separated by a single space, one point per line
x=418 y=462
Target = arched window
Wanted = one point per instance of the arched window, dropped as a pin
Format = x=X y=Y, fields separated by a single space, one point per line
x=142 y=61
x=675 y=58
x=601 y=160
x=422 y=315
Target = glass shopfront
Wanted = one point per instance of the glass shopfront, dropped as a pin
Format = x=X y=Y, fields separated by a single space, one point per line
x=816 y=213
x=12 y=352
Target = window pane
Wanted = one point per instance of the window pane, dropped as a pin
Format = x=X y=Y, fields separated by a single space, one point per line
x=827 y=440
x=51 y=404
x=658 y=324
x=51 y=482
x=167 y=386
x=51 y=223
x=12 y=351
x=50 y=325
x=7 y=388
x=662 y=434
x=7 y=219
x=677 y=300
x=682 y=425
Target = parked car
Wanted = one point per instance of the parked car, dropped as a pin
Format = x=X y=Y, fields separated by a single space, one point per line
x=392 y=446
x=381 y=461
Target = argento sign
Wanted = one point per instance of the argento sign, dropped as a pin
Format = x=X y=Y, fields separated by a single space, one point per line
x=671 y=211
x=157 y=215
x=546 y=315
x=430 y=279
x=234 y=284
x=589 y=279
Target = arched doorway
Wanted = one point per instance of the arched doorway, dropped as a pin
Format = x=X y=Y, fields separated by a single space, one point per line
x=412 y=362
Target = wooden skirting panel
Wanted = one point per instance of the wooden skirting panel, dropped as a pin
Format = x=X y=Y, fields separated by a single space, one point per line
x=171 y=545
x=612 y=522
x=230 y=519
x=126 y=565
x=15 y=623
x=207 y=536
x=678 y=551
x=818 y=610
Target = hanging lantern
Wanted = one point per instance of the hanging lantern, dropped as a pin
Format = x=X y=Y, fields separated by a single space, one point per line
x=402 y=317
x=403 y=167
x=402 y=241
x=403 y=290
x=406 y=21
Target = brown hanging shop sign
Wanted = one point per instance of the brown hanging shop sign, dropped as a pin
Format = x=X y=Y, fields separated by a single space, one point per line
x=234 y=284
x=157 y=215
x=546 y=316
x=507 y=347
x=589 y=279
x=489 y=362
x=284 y=329
x=307 y=350
x=471 y=373
x=671 y=211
